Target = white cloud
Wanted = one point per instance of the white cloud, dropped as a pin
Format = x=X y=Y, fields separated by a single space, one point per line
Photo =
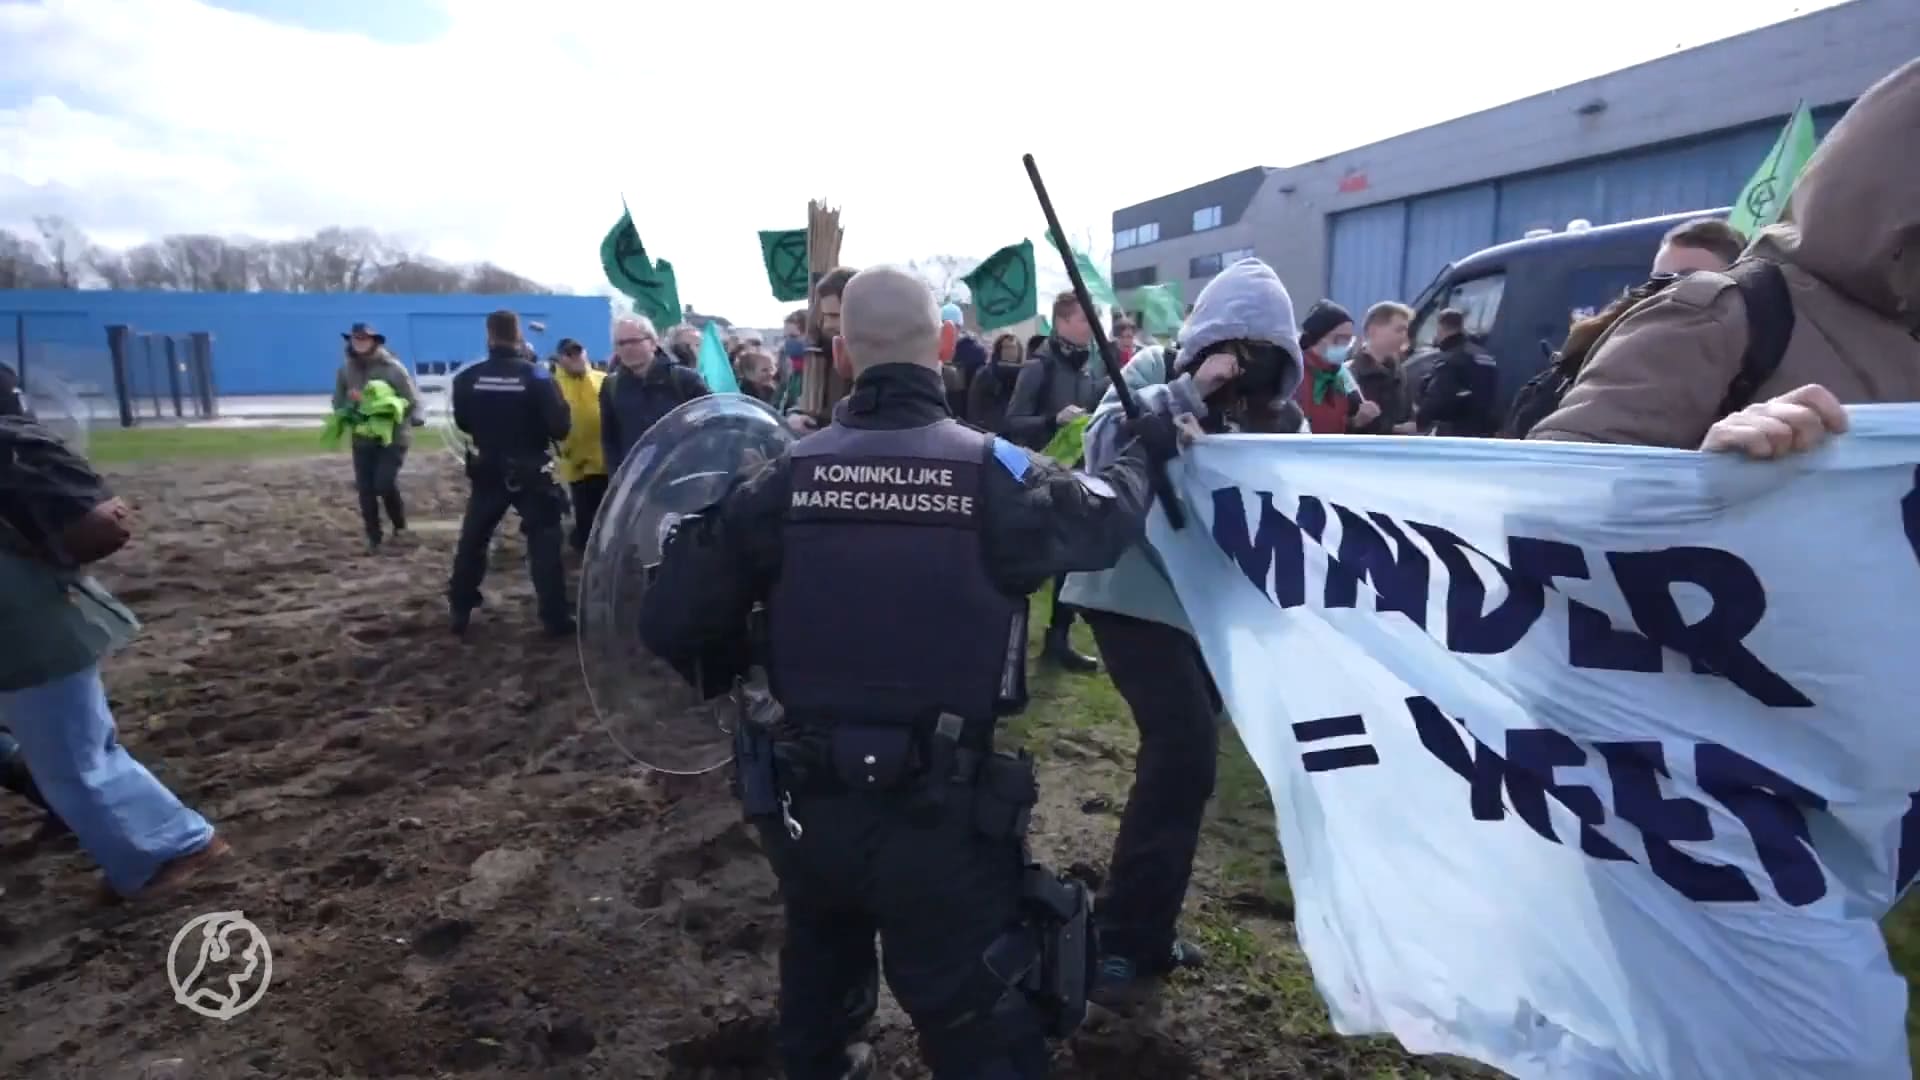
x=513 y=135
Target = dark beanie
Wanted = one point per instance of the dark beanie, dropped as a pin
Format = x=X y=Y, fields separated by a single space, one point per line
x=1321 y=318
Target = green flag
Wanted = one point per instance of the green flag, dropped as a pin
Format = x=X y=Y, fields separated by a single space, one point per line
x=785 y=253
x=714 y=366
x=1097 y=288
x=624 y=258
x=1003 y=287
x=658 y=299
x=1765 y=195
x=1160 y=307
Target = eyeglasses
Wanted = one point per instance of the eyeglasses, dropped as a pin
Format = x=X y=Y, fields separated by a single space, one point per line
x=634 y=341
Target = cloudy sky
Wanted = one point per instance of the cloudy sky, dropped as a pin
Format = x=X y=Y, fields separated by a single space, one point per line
x=510 y=129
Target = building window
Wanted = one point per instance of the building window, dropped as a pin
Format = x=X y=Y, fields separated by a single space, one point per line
x=1148 y=233
x=1125 y=238
x=1228 y=258
x=1207 y=217
x=1203 y=266
x=1134 y=279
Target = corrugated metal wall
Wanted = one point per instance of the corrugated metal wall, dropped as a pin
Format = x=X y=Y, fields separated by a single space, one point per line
x=276 y=343
x=1391 y=250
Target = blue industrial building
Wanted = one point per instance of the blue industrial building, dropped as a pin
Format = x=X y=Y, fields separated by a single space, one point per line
x=1676 y=134
x=271 y=343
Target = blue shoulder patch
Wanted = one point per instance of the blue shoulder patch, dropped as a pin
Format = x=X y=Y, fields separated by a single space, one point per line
x=1015 y=459
x=542 y=372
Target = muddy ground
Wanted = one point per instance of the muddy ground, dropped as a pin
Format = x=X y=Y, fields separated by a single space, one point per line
x=457 y=871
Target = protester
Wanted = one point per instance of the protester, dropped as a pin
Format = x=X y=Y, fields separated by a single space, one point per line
x=1460 y=397
x=793 y=361
x=1221 y=383
x=1702 y=244
x=1057 y=386
x=873 y=839
x=992 y=388
x=1374 y=366
x=1327 y=393
x=1123 y=340
x=1675 y=364
x=376 y=464
x=969 y=354
x=513 y=413
x=826 y=293
x=639 y=391
x=951 y=377
x=583 y=460
x=57 y=624
x=683 y=343
x=754 y=369
x=1706 y=244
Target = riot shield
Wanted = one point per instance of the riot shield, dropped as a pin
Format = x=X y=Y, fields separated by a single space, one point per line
x=684 y=464
x=59 y=408
x=452 y=439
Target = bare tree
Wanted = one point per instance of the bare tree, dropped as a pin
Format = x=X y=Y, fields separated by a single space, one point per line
x=943 y=274
x=416 y=275
x=24 y=264
x=110 y=267
x=487 y=278
x=66 y=248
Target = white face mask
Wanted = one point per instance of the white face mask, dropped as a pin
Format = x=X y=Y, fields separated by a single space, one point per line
x=1336 y=354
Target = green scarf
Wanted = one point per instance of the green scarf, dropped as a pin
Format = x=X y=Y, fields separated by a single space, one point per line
x=375 y=416
x=1326 y=384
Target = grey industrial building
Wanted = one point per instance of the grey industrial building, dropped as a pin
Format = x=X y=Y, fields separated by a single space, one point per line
x=1683 y=132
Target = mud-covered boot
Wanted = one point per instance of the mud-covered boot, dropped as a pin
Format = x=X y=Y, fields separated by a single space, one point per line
x=1120 y=986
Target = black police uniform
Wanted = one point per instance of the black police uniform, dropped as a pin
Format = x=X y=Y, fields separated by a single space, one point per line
x=510 y=408
x=894 y=552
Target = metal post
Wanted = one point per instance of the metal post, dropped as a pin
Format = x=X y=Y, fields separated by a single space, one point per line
x=173 y=378
x=201 y=344
x=117 y=351
x=20 y=348
x=152 y=388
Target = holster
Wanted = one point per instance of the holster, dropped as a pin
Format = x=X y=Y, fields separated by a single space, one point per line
x=1060 y=911
x=754 y=782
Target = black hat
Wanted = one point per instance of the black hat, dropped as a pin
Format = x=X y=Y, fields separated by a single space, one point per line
x=367 y=329
x=1321 y=318
x=569 y=347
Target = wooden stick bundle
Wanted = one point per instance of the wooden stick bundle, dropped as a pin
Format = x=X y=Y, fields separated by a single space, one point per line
x=819 y=391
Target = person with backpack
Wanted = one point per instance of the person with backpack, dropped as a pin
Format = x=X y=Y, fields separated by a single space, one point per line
x=1703 y=244
x=1828 y=297
x=643 y=387
x=1458 y=398
x=1060 y=383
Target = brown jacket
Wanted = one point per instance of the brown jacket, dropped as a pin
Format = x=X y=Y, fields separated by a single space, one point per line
x=380 y=364
x=1849 y=247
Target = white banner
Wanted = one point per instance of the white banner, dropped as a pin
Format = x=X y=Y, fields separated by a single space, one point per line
x=1588 y=761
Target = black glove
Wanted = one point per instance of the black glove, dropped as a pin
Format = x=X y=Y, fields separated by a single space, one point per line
x=1156 y=433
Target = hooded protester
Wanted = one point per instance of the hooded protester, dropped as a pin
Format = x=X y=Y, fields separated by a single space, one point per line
x=1237 y=364
x=376 y=464
x=1327 y=393
x=1057 y=386
x=1848 y=248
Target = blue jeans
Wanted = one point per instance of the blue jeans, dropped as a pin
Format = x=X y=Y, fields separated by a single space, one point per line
x=123 y=817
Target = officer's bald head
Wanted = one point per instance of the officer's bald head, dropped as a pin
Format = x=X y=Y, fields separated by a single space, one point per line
x=888 y=316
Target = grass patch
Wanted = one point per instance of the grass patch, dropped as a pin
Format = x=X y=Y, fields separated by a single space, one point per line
x=123 y=446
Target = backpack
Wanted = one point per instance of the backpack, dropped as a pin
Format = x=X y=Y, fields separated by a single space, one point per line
x=1770 y=322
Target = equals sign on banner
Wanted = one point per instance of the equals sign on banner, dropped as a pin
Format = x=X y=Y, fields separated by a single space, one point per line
x=1338 y=757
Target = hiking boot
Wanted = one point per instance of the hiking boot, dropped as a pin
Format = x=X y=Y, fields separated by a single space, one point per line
x=1058 y=650
x=179 y=872
x=859 y=1062
x=1119 y=986
x=373 y=545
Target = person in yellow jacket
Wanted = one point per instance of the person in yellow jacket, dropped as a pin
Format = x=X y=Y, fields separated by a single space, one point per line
x=583 y=465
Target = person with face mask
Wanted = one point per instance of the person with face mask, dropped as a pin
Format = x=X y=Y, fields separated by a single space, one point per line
x=1234 y=369
x=992 y=388
x=1327 y=393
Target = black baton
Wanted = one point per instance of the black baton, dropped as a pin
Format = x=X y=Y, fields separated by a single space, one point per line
x=1156 y=469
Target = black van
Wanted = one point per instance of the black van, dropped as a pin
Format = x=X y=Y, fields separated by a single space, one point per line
x=1520 y=298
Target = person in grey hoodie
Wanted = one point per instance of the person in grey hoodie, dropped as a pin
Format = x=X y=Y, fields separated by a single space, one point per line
x=1235 y=369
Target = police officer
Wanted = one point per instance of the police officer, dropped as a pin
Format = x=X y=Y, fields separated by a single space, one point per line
x=511 y=410
x=893 y=552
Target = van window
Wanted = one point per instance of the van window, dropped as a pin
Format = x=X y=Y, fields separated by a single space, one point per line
x=1594 y=287
x=1477 y=298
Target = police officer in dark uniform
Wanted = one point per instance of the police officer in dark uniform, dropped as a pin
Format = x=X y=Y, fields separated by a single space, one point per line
x=893 y=553
x=510 y=408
